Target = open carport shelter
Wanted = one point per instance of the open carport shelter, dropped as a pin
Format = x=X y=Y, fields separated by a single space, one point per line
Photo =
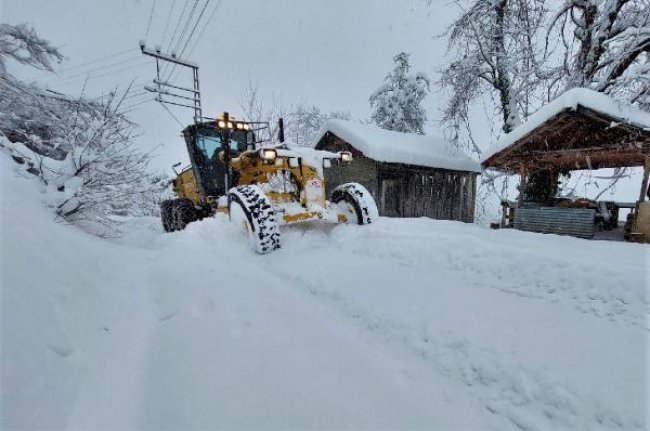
x=409 y=175
x=581 y=129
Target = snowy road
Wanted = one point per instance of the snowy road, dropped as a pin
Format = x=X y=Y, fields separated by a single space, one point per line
x=403 y=324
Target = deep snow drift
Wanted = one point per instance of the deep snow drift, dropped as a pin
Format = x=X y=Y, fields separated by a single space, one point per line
x=402 y=324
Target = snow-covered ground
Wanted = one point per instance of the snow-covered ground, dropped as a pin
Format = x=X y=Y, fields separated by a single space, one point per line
x=401 y=324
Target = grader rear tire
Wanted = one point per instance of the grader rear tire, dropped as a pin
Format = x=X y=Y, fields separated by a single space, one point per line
x=166 y=214
x=176 y=214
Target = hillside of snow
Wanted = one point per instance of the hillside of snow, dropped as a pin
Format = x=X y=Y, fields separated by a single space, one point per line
x=407 y=323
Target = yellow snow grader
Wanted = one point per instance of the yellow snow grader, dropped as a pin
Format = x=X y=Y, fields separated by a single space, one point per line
x=259 y=186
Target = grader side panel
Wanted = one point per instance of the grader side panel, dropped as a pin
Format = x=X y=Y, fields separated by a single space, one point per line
x=185 y=186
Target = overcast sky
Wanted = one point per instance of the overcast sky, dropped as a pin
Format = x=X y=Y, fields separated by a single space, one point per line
x=330 y=53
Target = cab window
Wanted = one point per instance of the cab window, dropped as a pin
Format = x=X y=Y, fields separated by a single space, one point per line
x=209 y=145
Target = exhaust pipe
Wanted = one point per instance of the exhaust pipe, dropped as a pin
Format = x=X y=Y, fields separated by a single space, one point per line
x=281 y=130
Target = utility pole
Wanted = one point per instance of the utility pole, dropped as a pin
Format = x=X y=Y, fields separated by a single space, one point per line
x=192 y=97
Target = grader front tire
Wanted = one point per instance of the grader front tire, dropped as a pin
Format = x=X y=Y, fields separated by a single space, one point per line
x=249 y=208
x=356 y=200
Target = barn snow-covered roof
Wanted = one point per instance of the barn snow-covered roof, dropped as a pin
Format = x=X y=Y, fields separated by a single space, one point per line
x=397 y=147
x=574 y=100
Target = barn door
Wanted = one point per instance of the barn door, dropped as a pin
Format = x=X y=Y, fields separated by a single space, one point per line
x=391 y=198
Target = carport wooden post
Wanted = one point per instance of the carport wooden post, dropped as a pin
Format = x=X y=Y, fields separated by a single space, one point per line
x=523 y=179
x=644 y=182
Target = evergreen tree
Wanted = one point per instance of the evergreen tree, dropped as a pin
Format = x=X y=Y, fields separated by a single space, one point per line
x=397 y=103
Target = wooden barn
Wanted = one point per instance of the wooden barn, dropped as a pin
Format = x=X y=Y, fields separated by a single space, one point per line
x=409 y=175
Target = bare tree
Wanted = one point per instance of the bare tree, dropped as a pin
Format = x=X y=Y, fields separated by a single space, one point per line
x=301 y=122
x=255 y=108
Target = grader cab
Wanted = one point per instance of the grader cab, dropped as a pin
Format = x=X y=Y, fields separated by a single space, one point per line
x=259 y=186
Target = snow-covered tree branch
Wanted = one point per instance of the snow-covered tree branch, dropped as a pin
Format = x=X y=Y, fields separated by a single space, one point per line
x=22 y=44
x=612 y=47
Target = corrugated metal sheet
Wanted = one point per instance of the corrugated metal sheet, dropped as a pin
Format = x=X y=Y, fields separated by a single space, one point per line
x=577 y=222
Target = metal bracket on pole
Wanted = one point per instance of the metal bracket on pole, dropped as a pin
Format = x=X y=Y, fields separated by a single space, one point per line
x=162 y=87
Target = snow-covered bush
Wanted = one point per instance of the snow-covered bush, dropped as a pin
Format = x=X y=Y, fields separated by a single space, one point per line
x=82 y=150
x=102 y=174
x=397 y=103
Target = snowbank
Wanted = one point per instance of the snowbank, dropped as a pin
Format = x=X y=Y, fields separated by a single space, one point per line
x=396 y=147
x=599 y=102
x=399 y=324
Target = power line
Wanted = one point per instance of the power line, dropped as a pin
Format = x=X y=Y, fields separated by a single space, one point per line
x=136 y=95
x=173 y=116
x=132 y=107
x=196 y=2
x=115 y=72
x=171 y=10
x=96 y=61
x=153 y=6
x=186 y=26
x=207 y=23
x=129 y=92
x=102 y=68
x=171 y=41
x=194 y=28
x=196 y=42
x=178 y=23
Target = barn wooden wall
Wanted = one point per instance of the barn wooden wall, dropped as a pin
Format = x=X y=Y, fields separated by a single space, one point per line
x=362 y=170
x=405 y=190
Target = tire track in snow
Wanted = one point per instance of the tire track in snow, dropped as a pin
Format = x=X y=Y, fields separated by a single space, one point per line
x=529 y=399
x=259 y=317
x=548 y=267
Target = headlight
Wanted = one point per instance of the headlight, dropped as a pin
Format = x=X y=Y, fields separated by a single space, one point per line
x=346 y=156
x=268 y=154
x=221 y=124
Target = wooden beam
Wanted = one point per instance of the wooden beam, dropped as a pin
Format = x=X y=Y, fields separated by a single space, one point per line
x=583 y=131
x=632 y=148
x=523 y=171
x=644 y=181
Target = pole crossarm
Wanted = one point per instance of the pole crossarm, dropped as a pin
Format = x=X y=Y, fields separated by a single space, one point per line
x=171 y=58
x=162 y=86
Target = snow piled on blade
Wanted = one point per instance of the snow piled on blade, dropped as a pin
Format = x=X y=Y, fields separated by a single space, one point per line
x=397 y=147
x=401 y=324
x=571 y=99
